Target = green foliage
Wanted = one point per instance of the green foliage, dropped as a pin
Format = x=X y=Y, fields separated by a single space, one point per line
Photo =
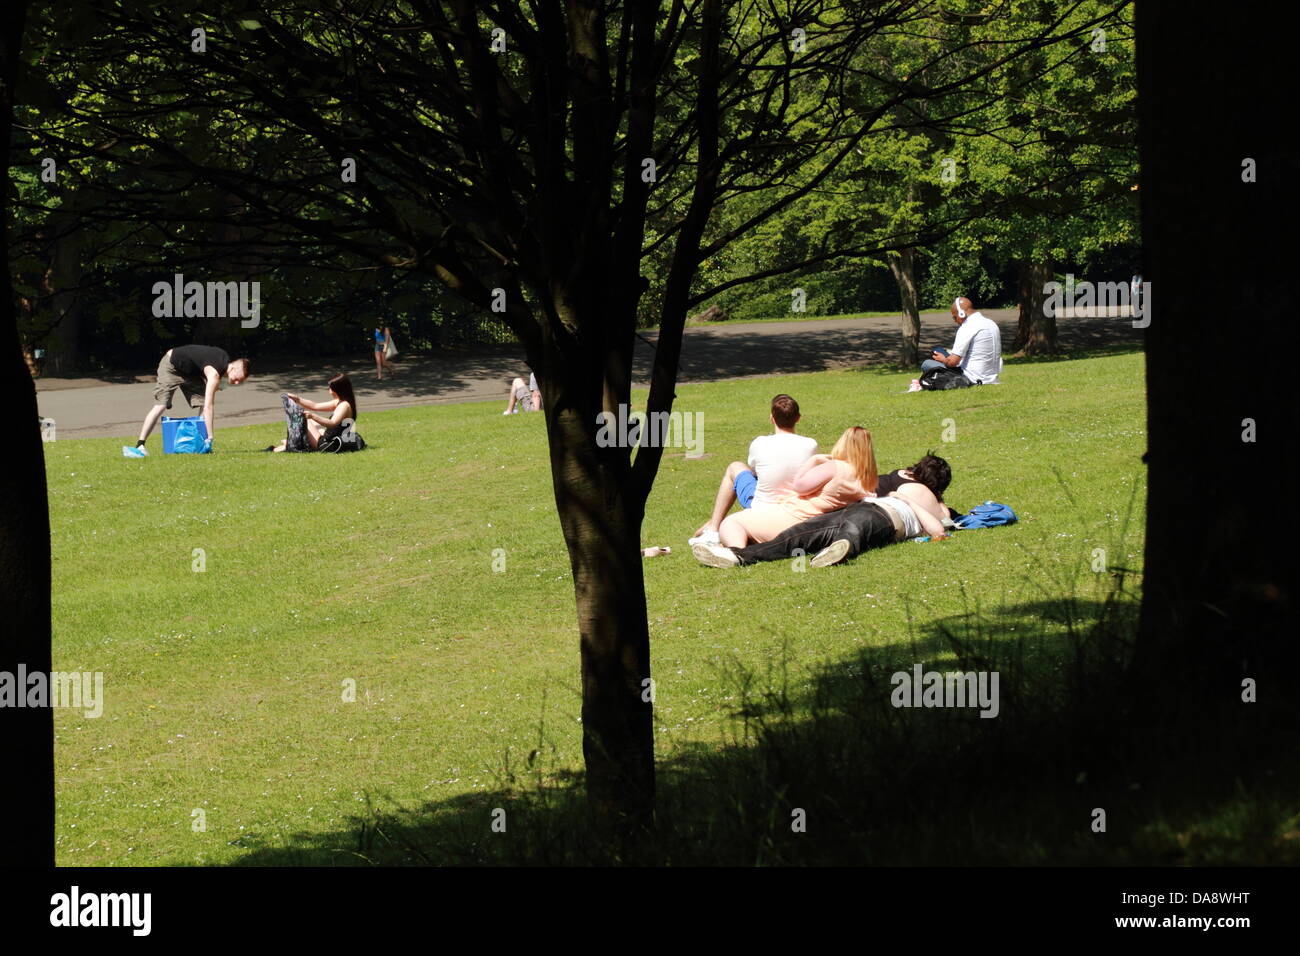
x=1037 y=162
x=1042 y=148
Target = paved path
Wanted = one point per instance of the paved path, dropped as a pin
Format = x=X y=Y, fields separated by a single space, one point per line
x=83 y=408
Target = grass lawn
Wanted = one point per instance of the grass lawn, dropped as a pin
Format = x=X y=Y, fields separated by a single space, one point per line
x=224 y=688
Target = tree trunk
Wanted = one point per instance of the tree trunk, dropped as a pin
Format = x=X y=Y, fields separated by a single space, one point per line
x=1219 y=587
x=903 y=266
x=63 y=348
x=1036 y=330
x=26 y=733
x=1025 y=299
x=600 y=514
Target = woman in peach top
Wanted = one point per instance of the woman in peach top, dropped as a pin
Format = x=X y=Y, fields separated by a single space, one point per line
x=824 y=483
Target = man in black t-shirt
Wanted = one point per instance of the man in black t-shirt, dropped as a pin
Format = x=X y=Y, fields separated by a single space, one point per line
x=195 y=370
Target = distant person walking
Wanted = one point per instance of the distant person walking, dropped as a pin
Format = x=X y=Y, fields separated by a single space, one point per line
x=195 y=370
x=382 y=339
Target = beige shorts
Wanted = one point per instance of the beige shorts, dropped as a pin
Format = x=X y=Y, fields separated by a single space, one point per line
x=169 y=380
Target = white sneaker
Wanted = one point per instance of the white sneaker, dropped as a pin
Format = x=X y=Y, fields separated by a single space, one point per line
x=833 y=553
x=915 y=386
x=715 y=556
x=705 y=537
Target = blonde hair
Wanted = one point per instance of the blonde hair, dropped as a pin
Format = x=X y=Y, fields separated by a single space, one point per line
x=856 y=448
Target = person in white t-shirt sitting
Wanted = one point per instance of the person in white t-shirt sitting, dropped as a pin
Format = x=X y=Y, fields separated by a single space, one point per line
x=977 y=351
x=769 y=473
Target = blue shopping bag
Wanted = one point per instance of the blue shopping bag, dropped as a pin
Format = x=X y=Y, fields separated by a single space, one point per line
x=184 y=436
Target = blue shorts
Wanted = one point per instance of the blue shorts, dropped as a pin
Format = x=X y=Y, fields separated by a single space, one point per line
x=745 y=484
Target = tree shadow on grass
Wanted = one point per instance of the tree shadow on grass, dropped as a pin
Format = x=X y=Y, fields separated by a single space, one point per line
x=822 y=769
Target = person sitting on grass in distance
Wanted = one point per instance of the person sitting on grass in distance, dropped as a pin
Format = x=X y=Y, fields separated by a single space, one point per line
x=913 y=506
x=822 y=484
x=310 y=431
x=977 y=350
x=195 y=370
x=524 y=398
x=773 y=460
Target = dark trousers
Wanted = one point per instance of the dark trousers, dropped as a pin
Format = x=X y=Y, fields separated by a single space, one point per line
x=865 y=525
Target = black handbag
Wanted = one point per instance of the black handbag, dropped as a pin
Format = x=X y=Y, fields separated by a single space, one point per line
x=335 y=442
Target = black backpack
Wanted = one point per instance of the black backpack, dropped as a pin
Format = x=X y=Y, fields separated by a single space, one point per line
x=940 y=379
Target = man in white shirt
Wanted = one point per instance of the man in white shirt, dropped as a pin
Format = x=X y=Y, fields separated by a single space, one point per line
x=769 y=473
x=977 y=350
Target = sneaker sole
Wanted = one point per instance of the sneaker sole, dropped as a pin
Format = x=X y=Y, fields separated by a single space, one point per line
x=831 y=554
x=707 y=557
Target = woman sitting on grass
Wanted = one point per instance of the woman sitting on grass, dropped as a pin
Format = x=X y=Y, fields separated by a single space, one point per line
x=823 y=483
x=310 y=431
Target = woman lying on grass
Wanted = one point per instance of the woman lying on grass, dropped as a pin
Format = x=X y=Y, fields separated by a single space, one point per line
x=914 y=507
x=310 y=431
x=822 y=484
